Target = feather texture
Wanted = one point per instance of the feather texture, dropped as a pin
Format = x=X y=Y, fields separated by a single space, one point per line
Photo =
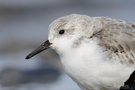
x=118 y=38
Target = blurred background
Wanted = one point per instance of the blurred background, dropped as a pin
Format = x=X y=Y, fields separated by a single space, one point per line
x=24 y=26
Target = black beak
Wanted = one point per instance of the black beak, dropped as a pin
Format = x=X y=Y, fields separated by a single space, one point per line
x=41 y=48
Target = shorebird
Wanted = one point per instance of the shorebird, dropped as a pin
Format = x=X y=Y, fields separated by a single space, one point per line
x=98 y=53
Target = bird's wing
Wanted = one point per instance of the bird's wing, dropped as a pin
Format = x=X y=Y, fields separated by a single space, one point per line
x=119 y=39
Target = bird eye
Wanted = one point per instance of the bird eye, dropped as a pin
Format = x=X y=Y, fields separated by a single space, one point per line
x=61 y=32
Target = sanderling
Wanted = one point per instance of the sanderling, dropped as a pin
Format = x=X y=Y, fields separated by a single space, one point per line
x=98 y=53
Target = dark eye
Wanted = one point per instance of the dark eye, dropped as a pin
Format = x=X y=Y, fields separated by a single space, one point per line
x=61 y=32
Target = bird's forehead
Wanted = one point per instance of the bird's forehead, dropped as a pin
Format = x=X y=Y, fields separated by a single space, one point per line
x=57 y=24
x=70 y=20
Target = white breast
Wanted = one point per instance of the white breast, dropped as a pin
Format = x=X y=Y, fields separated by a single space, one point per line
x=91 y=68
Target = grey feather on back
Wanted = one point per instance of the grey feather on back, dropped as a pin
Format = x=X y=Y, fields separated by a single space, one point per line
x=118 y=38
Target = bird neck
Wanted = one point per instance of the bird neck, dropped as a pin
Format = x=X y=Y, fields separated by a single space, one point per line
x=87 y=54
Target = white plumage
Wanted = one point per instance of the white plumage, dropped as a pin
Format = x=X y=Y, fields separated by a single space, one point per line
x=96 y=52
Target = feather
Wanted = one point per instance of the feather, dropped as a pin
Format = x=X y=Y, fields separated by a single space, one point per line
x=118 y=38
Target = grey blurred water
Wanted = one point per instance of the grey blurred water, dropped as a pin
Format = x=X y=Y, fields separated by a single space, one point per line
x=24 y=26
